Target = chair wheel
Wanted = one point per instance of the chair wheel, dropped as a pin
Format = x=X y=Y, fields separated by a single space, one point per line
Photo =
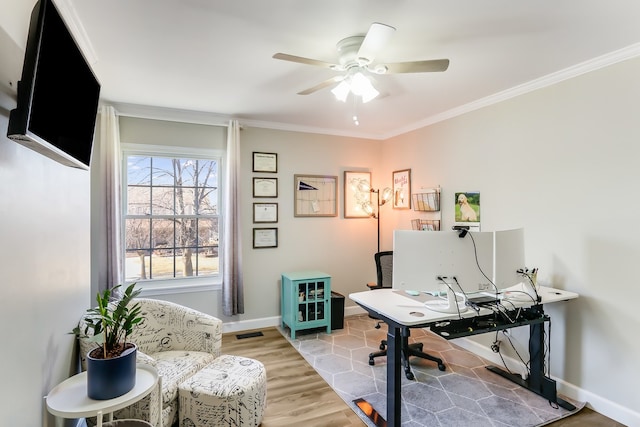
x=441 y=367
x=371 y=361
x=410 y=375
x=382 y=347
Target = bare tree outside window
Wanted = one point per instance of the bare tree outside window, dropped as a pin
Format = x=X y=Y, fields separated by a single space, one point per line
x=171 y=220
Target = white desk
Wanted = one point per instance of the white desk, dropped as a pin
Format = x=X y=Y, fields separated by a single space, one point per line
x=69 y=398
x=399 y=310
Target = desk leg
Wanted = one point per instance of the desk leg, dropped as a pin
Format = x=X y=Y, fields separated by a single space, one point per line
x=537 y=382
x=394 y=378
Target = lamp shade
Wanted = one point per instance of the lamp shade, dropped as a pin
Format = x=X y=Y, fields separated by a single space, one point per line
x=367 y=208
x=361 y=86
x=364 y=186
x=386 y=195
x=358 y=84
x=341 y=91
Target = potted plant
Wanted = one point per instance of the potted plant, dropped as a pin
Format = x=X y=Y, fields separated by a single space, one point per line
x=111 y=366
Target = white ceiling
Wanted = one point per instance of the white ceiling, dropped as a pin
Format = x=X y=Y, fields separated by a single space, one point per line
x=215 y=56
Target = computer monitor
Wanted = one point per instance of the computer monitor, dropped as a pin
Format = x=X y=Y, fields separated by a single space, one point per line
x=509 y=257
x=419 y=257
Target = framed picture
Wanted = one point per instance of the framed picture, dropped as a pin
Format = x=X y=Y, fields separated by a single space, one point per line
x=353 y=197
x=265 y=187
x=467 y=208
x=402 y=189
x=265 y=162
x=265 y=212
x=315 y=195
x=265 y=238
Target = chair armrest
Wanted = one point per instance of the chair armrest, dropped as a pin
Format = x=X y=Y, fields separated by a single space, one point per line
x=169 y=326
x=372 y=285
x=146 y=359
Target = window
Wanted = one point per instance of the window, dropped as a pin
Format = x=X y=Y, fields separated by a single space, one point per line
x=171 y=218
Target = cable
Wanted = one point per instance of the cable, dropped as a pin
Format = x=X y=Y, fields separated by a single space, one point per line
x=522 y=292
x=454 y=293
x=525 y=272
x=548 y=351
x=526 y=365
x=455 y=279
x=475 y=254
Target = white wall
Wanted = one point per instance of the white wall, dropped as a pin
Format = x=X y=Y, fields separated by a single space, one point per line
x=44 y=260
x=562 y=162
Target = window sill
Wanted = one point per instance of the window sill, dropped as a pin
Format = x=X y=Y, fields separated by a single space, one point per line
x=150 y=289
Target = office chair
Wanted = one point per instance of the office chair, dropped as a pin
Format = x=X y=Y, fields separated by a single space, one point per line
x=384 y=270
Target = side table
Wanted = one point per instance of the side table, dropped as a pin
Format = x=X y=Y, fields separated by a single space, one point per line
x=69 y=398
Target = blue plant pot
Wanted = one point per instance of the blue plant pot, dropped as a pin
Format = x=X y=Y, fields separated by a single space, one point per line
x=109 y=378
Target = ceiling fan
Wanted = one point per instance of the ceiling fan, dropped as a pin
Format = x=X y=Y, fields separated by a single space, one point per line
x=356 y=56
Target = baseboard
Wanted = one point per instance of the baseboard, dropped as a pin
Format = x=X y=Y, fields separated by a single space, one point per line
x=602 y=405
x=245 y=325
x=268 y=322
x=598 y=403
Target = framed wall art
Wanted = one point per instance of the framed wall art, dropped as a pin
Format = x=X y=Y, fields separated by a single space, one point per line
x=467 y=209
x=402 y=189
x=265 y=162
x=315 y=195
x=265 y=238
x=265 y=212
x=353 y=197
x=265 y=187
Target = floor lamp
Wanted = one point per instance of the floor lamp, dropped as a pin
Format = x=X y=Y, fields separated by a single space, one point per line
x=381 y=199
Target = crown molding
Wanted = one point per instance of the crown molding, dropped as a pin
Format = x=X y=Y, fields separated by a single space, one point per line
x=611 y=58
x=71 y=18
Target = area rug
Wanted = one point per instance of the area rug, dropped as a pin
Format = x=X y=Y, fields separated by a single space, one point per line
x=465 y=394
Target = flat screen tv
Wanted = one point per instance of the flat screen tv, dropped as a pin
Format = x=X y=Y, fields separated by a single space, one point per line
x=57 y=96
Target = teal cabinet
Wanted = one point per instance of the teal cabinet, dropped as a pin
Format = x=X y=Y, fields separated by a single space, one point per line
x=305 y=301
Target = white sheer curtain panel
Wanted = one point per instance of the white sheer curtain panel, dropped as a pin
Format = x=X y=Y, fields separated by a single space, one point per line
x=109 y=168
x=232 y=286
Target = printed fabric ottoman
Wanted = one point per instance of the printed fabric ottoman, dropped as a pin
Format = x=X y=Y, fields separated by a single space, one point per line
x=230 y=391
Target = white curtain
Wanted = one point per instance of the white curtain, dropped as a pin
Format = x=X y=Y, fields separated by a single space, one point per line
x=108 y=179
x=232 y=286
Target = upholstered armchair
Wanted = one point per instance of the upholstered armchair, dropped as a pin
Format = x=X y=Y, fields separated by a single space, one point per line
x=178 y=342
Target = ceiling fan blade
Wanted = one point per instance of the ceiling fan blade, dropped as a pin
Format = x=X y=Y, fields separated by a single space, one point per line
x=376 y=38
x=432 y=65
x=308 y=61
x=322 y=85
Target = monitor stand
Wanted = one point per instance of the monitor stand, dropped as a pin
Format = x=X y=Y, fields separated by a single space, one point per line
x=453 y=304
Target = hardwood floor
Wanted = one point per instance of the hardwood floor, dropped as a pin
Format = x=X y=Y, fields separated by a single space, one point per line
x=297 y=395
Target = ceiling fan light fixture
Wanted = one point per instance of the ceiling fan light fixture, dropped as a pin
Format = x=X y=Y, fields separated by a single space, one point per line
x=361 y=86
x=369 y=94
x=341 y=91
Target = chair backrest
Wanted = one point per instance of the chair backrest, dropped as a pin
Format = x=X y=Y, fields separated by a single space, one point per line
x=384 y=268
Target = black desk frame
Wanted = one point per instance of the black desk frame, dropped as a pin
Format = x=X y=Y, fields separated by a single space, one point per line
x=537 y=382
